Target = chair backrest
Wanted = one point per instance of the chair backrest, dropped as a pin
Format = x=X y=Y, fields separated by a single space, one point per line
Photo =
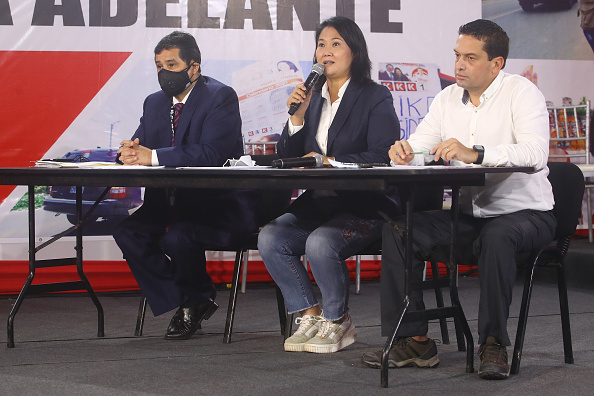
x=264 y=159
x=272 y=203
x=259 y=148
x=427 y=197
x=568 y=188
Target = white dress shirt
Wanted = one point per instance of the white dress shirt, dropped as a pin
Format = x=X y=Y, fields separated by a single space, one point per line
x=512 y=124
x=154 y=156
x=326 y=116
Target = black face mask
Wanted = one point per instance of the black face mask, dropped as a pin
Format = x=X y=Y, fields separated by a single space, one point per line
x=174 y=83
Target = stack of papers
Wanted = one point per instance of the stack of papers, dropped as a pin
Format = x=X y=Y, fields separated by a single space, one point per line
x=59 y=164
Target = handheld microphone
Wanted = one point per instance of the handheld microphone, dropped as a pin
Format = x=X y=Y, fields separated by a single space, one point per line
x=315 y=161
x=316 y=71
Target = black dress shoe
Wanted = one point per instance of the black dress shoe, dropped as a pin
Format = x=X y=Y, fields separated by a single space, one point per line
x=187 y=319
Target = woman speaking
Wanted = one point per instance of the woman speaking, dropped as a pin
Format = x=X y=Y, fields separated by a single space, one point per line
x=349 y=118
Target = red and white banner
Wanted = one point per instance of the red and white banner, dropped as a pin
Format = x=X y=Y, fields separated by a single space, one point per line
x=74 y=73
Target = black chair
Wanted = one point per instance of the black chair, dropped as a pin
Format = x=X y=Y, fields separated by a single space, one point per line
x=568 y=188
x=271 y=204
x=567 y=181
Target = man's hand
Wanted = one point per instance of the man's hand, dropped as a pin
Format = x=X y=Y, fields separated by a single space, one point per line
x=452 y=149
x=132 y=153
x=400 y=153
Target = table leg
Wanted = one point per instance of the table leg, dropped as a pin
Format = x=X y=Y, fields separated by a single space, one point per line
x=408 y=269
x=79 y=261
x=21 y=296
x=461 y=319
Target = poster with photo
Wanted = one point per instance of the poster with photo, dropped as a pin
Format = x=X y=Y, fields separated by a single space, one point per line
x=263 y=89
x=413 y=86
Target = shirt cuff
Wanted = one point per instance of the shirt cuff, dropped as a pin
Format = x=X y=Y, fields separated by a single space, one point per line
x=294 y=129
x=154 y=158
x=490 y=157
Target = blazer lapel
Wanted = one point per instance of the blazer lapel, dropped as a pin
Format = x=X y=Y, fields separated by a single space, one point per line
x=188 y=110
x=315 y=112
x=164 y=119
x=348 y=100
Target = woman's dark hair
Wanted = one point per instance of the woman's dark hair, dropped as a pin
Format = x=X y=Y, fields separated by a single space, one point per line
x=496 y=41
x=352 y=35
x=188 y=49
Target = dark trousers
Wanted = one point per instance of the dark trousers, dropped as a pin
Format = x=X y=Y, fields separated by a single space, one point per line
x=492 y=242
x=590 y=37
x=166 y=258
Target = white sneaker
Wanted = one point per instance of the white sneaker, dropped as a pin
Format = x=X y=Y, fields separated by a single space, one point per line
x=308 y=327
x=332 y=336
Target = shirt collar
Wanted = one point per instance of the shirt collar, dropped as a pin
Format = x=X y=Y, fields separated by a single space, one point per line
x=326 y=93
x=185 y=99
x=489 y=92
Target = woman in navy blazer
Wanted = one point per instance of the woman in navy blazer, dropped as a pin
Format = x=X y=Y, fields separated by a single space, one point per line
x=347 y=118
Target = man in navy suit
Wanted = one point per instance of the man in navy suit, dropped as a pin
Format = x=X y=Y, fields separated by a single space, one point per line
x=388 y=74
x=193 y=121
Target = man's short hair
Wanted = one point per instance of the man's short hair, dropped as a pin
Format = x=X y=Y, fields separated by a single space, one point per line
x=188 y=49
x=496 y=41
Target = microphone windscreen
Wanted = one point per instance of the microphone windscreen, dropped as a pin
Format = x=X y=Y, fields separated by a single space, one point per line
x=319 y=160
x=318 y=68
x=316 y=71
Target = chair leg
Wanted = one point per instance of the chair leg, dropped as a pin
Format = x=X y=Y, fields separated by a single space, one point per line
x=443 y=324
x=288 y=326
x=140 y=317
x=285 y=319
x=282 y=312
x=244 y=270
x=564 y=305
x=459 y=324
x=358 y=275
x=589 y=212
x=233 y=297
x=522 y=320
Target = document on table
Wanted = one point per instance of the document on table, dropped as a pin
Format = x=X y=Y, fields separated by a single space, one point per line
x=88 y=165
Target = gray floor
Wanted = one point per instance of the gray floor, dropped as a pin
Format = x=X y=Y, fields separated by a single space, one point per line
x=57 y=352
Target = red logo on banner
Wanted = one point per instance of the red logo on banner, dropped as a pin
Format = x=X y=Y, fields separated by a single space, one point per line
x=43 y=92
x=411 y=86
x=388 y=84
x=399 y=86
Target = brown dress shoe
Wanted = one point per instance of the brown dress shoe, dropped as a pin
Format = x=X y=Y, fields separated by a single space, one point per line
x=493 y=362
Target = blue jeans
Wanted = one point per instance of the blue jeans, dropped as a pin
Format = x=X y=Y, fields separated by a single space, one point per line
x=327 y=244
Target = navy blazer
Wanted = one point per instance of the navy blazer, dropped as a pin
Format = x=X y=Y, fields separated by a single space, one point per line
x=363 y=130
x=208 y=133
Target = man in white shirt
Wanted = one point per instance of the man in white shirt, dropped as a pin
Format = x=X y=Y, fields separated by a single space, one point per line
x=489 y=118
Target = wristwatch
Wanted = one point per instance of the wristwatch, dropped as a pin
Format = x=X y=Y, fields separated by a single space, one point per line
x=481 y=154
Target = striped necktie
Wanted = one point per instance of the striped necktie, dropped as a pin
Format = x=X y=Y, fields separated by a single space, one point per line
x=177 y=108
